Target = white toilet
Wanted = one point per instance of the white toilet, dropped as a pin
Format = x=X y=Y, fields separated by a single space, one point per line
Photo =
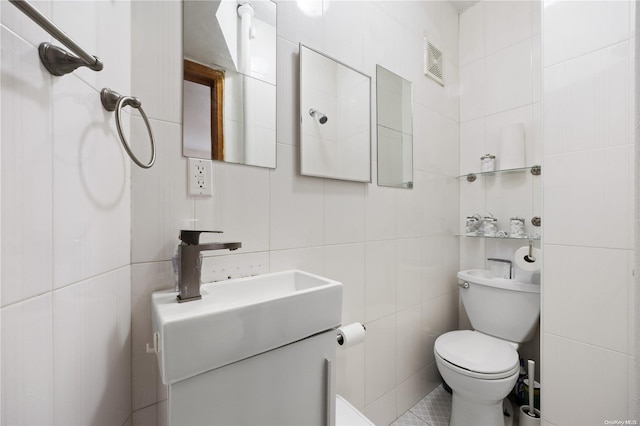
x=482 y=366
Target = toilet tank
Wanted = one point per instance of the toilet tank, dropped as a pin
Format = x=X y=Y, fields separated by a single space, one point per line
x=504 y=308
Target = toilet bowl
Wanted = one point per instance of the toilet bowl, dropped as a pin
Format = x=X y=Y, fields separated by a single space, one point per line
x=482 y=365
x=481 y=371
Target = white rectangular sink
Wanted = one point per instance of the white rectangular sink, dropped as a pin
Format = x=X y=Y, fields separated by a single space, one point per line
x=239 y=318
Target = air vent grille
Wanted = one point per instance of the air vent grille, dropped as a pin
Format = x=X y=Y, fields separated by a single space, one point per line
x=433 y=62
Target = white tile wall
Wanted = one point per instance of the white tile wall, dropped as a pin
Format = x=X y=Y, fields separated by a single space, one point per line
x=27 y=362
x=588 y=117
x=92 y=350
x=373 y=239
x=499 y=81
x=26 y=135
x=65 y=307
x=500 y=76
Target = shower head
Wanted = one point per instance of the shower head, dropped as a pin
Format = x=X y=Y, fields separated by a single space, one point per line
x=317 y=114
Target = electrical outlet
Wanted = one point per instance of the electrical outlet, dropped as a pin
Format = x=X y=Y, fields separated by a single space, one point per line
x=199 y=177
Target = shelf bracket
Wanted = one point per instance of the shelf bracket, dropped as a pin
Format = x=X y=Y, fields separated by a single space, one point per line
x=471 y=177
x=536 y=170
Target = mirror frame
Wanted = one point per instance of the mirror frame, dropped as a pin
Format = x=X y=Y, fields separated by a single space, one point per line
x=403 y=184
x=303 y=111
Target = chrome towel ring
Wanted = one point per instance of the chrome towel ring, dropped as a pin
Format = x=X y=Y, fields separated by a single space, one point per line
x=113 y=101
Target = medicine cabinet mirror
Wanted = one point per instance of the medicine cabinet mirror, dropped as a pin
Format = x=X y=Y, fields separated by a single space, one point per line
x=395 y=129
x=229 y=88
x=335 y=119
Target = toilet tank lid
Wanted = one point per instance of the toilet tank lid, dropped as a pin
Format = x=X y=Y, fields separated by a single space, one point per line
x=476 y=352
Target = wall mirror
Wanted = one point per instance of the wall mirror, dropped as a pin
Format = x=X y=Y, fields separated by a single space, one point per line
x=229 y=88
x=395 y=129
x=335 y=119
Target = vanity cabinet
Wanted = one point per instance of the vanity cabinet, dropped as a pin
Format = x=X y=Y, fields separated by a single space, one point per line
x=291 y=385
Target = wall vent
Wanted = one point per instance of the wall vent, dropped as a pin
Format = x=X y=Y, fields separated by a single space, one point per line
x=433 y=62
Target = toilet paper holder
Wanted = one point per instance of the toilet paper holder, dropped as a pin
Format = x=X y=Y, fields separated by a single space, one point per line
x=340 y=339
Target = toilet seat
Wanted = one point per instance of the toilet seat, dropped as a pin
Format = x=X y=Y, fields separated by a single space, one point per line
x=477 y=355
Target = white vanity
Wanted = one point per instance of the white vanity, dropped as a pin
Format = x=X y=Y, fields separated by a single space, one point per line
x=258 y=350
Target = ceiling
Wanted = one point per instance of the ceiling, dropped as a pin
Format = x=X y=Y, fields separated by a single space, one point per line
x=462 y=5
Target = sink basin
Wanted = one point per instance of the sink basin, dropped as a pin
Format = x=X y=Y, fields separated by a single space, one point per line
x=239 y=318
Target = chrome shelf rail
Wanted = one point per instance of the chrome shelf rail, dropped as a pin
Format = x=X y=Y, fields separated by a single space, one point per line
x=55 y=59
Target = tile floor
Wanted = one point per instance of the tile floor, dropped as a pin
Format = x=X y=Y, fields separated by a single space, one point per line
x=433 y=410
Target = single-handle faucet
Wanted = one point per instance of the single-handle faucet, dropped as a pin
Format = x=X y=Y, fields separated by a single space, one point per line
x=190 y=265
x=494 y=259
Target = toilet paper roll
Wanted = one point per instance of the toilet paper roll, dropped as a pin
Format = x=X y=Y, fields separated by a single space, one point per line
x=351 y=334
x=528 y=266
x=512 y=146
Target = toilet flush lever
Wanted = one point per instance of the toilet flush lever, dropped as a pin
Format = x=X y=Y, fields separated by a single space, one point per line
x=463 y=284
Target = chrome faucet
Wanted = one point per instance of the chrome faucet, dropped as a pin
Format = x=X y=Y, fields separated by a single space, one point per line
x=190 y=264
x=494 y=259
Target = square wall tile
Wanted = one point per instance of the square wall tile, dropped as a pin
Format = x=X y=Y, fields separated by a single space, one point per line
x=600 y=24
x=409 y=272
x=597 y=282
x=380 y=358
x=507 y=23
x=410 y=352
x=344 y=212
x=104 y=30
x=27 y=231
x=344 y=28
x=410 y=210
x=159 y=201
x=380 y=279
x=147 y=386
x=563 y=375
x=416 y=387
x=345 y=263
x=441 y=264
x=587 y=101
x=91 y=183
x=472 y=33
x=472 y=145
x=509 y=78
x=380 y=210
x=307 y=259
x=441 y=204
x=473 y=90
x=301 y=22
x=239 y=207
x=589 y=203
x=92 y=350
x=156 y=41
x=27 y=362
x=16 y=21
x=436 y=142
x=296 y=204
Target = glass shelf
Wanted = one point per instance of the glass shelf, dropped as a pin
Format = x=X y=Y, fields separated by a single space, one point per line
x=471 y=177
x=535 y=237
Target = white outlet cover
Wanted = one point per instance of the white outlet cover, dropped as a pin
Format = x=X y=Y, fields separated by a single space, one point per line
x=199 y=180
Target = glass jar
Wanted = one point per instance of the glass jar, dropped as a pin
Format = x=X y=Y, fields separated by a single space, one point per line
x=488 y=163
x=490 y=226
x=471 y=227
x=516 y=227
